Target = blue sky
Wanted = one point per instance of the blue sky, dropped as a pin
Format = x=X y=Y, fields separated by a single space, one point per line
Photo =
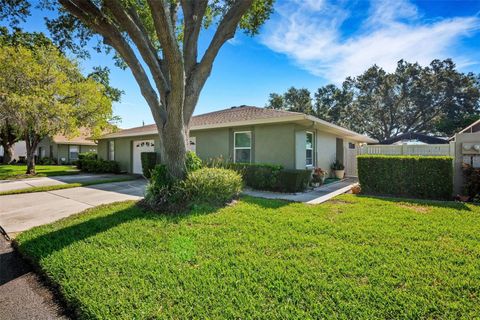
x=309 y=43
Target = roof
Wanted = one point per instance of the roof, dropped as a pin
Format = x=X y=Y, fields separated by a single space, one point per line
x=83 y=138
x=245 y=115
x=415 y=136
x=474 y=127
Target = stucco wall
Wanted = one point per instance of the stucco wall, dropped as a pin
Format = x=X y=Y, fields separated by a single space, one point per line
x=212 y=143
x=275 y=144
x=458 y=180
x=326 y=150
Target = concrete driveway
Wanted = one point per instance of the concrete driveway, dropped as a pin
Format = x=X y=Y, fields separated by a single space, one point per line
x=7 y=185
x=23 y=211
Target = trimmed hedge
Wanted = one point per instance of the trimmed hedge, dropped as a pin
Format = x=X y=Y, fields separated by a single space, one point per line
x=294 y=180
x=429 y=177
x=100 y=166
x=259 y=176
x=149 y=161
x=85 y=156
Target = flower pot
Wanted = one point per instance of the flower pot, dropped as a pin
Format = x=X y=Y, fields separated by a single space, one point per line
x=339 y=173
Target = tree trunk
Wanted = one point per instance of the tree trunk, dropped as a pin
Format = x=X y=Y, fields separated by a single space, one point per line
x=7 y=153
x=31 y=144
x=173 y=148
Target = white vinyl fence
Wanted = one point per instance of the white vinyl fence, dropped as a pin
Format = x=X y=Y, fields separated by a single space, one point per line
x=414 y=150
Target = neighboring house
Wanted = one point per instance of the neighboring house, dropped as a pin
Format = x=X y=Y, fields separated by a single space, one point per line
x=414 y=138
x=244 y=134
x=65 y=149
x=474 y=127
x=19 y=150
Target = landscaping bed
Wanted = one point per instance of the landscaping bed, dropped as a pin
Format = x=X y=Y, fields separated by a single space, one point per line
x=353 y=257
x=15 y=171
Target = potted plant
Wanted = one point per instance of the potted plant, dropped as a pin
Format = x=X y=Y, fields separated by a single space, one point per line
x=338 y=169
x=318 y=176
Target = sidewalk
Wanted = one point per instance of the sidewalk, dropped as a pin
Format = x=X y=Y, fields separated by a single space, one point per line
x=316 y=196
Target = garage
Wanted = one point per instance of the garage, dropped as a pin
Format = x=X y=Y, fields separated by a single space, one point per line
x=140 y=146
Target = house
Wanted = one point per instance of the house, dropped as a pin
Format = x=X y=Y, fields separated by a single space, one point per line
x=19 y=151
x=65 y=149
x=244 y=134
x=414 y=138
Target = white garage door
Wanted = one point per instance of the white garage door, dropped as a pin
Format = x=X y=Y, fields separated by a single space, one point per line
x=139 y=147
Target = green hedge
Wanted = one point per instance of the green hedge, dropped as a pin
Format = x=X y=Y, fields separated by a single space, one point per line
x=261 y=176
x=293 y=180
x=149 y=161
x=100 y=166
x=428 y=177
x=85 y=156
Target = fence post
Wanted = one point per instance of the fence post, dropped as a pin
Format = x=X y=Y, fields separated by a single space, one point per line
x=403 y=149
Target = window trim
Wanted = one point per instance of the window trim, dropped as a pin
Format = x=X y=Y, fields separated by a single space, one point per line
x=235 y=148
x=70 y=151
x=110 y=151
x=313 y=149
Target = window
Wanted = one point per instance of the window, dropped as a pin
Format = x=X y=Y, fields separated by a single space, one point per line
x=351 y=145
x=309 y=149
x=111 y=150
x=192 y=144
x=73 y=152
x=242 y=147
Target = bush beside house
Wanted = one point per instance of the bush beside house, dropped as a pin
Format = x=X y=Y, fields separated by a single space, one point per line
x=88 y=162
x=149 y=161
x=410 y=176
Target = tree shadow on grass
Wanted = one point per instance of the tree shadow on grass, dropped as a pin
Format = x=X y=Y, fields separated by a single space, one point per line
x=460 y=206
x=266 y=203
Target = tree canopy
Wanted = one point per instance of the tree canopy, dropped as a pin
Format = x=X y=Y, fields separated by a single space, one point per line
x=158 y=41
x=436 y=99
x=42 y=93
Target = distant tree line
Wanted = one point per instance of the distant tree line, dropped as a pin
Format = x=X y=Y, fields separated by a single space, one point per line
x=434 y=99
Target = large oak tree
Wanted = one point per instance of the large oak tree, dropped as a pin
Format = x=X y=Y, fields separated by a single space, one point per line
x=158 y=41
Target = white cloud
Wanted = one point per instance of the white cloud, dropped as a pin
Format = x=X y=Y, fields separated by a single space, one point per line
x=310 y=33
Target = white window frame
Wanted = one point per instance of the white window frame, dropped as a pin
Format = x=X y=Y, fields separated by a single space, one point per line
x=313 y=149
x=235 y=148
x=70 y=151
x=111 y=150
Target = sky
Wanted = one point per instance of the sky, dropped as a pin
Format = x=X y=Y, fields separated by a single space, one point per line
x=311 y=43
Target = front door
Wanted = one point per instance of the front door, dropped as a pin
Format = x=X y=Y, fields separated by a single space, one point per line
x=139 y=147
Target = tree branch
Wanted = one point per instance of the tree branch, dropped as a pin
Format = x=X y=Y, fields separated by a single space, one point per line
x=193 y=13
x=87 y=12
x=134 y=27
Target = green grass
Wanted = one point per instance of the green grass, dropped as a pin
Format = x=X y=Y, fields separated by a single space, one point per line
x=65 y=186
x=351 y=258
x=13 y=171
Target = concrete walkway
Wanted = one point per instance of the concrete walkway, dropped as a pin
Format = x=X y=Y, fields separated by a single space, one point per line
x=23 y=211
x=316 y=196
x=8 y=185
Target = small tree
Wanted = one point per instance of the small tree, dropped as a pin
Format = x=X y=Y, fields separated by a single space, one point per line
x=42 y=93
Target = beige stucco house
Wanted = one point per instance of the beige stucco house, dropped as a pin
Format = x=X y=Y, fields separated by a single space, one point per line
x=65 y=149
x=245 y=134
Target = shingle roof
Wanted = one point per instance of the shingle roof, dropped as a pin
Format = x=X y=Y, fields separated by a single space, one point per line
x=81 y=139
x=415 y=136
x=238 y=116
x=241 y=113
x=233 y=114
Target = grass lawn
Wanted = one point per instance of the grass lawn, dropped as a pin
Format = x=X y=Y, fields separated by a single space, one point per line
x=350 y=258
x=13 y=171
x=66 y=186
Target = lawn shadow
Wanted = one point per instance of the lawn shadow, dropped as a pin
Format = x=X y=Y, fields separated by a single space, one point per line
x=460 y=206
x=266 y=203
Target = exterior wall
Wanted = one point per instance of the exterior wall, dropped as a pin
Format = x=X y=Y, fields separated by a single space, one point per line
x=275 y=144
x=271 y=143
x=459 y=154
x=123 y=150
x=60 y=152
x=326 y=150
x=84 y=149
x=213 y=143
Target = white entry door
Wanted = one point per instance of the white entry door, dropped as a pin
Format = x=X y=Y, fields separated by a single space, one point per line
x=139 y=147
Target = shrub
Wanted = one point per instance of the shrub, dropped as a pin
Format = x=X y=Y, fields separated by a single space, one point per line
x=212 y=185
x=409 y=176
x=472 y=181
x=47 y=161
x=260 y=176
x=85 y=156
x=294 y=180
x=337 y=165
x=100 y=166
x=192 y=161
x=149 y=161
